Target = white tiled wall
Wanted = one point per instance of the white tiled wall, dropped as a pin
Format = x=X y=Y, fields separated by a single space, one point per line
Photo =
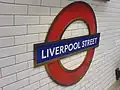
x=75 y=29
x=26 y=22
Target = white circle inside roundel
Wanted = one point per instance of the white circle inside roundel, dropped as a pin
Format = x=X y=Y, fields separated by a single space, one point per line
x=75 y=29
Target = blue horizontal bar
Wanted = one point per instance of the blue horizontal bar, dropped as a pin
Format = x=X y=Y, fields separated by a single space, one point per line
x=46 y=52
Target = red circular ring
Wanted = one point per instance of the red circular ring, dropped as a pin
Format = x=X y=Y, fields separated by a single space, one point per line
x=77 y=10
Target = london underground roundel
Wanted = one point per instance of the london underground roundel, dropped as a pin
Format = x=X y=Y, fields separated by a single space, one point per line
x=50 y=52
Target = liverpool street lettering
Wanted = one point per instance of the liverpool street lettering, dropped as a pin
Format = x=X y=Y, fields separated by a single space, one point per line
x=48 y=51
